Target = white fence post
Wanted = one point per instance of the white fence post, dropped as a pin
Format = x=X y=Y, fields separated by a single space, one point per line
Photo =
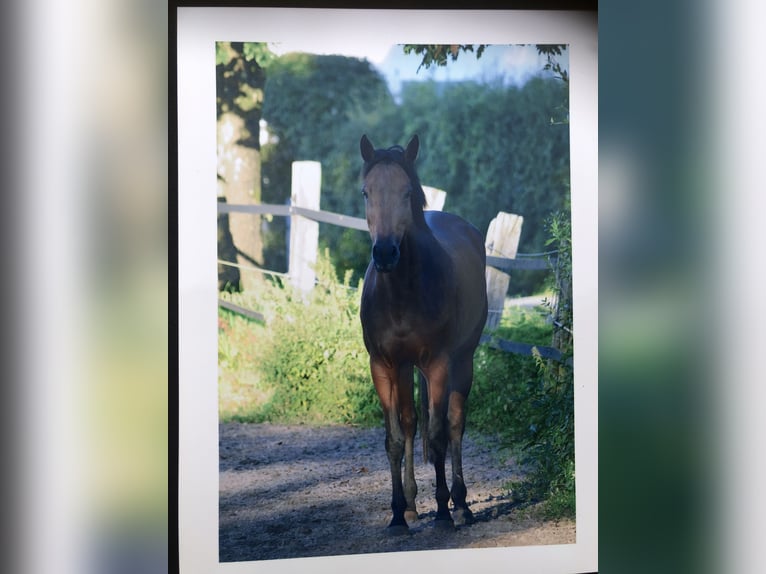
x=502 y=241
x=304 y=233
x=434 y=198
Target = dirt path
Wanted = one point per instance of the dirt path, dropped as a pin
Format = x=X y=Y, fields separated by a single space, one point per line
x=297 y=491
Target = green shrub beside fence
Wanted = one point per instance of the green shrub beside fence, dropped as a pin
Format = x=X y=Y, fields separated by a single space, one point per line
x=312 y=357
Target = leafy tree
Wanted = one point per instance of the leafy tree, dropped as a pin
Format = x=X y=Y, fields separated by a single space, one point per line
x=553 y=65
x=493 y=148
x=527 y=169
x=240 y=79
x=317 y=107
x=440 y=54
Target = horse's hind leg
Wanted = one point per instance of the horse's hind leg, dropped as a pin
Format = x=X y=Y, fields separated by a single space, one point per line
x=437 y=438
x=462 y=377
x=437 y=446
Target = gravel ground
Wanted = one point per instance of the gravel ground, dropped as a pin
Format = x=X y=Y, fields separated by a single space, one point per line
x=300 y=491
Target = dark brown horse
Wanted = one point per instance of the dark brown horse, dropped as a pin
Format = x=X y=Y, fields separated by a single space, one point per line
x=424 y=306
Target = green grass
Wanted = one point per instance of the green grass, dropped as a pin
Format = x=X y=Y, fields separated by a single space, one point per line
x=308 y=366
x=525 y=325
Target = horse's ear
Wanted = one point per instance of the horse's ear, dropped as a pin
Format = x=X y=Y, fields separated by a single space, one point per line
x=412 y=149
x=367 y=149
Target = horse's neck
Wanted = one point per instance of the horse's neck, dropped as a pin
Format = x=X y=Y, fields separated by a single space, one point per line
x=420 y=266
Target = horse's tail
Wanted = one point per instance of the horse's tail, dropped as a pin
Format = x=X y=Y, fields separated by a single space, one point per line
x=424 y=414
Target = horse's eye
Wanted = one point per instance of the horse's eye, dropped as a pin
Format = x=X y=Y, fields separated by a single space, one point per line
x=407 y=193
x=364 y=193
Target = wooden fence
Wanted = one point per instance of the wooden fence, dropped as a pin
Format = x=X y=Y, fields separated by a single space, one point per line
x=502 y=238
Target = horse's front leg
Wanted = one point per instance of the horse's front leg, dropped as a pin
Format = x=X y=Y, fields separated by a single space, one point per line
x=436 y=375
x=409 y=424
x=386 y=380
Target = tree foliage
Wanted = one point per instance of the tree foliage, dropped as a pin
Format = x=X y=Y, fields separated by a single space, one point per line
x=240 y=78
x=491 y=147
x=317 y=108
x=553 y=65
x=440 y=54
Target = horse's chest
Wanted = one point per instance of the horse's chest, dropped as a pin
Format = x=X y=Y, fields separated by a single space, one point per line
x=405 y=334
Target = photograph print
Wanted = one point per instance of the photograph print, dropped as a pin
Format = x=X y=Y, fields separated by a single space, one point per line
x=395 y=298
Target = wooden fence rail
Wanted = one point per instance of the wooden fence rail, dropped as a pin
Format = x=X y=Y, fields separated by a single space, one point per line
x=288 y=210
x=522 y=348
x=501 y=263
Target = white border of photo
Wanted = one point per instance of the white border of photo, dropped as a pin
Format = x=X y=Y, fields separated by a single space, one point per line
x=198 y=30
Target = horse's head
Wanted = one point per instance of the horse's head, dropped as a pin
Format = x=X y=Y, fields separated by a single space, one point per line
x=394 y=198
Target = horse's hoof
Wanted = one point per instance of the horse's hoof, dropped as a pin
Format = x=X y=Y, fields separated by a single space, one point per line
x=463 y=517
x=444 y=524
x=410 y=516
x=397 y=530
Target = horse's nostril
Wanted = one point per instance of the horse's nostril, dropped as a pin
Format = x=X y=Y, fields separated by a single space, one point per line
x=385 y=254
x=384 y=251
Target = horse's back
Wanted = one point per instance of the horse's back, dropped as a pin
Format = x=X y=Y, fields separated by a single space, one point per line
x=465 y=246
x=461 y=240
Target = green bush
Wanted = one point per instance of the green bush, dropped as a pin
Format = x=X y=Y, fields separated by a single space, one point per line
x=548 y=445
x=498 y=390
x=314 y=357
x=542 y=398
x=551 y=442
x=528 y=402
x=502 y=380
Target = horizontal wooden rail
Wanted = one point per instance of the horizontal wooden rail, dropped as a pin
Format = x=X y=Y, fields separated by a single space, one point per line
x=287 y=210
x=241 y=310
x=501 y=263
x=505 y=264
x=265 y=208
x=522 y=348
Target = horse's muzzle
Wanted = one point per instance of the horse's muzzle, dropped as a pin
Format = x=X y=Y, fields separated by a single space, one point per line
x=385 y=255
